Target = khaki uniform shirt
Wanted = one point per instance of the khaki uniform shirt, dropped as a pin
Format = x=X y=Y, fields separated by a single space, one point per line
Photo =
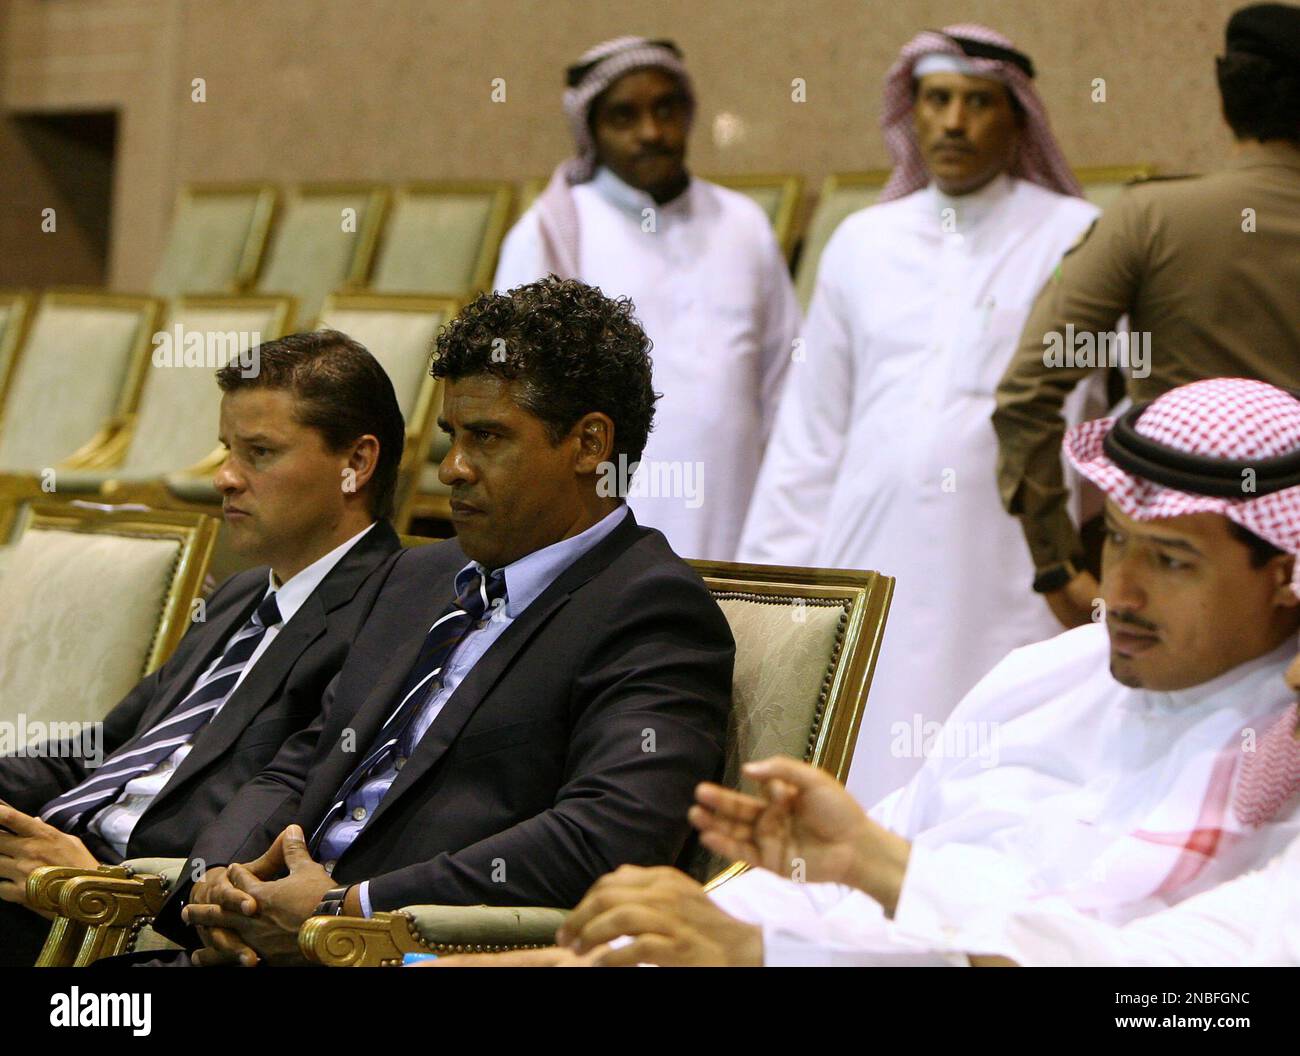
x=1207 y=269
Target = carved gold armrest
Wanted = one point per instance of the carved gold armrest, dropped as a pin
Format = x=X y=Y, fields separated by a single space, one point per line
x=382 y=940
x=112 y=905
x=44 y=887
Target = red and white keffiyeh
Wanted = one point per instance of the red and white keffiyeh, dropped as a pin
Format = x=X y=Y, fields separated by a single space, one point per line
x=1229 y=418
x=607 y=62
x=1039 y=158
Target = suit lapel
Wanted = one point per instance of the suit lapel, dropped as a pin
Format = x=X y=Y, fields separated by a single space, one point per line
x=493 y=664
x=268 y=674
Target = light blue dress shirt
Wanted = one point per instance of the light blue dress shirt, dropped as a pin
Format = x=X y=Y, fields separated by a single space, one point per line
x=525 y=580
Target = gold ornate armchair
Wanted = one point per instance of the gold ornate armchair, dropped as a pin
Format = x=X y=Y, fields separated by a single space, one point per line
x=323 y=239
x=777 y=195
x=101 y=598
x=80 y=363
x=1102 y=184
x=442 y=238
x=164 y=451
x=806 y=647
x=842 y=194
x=399 y=330
x=217 y=236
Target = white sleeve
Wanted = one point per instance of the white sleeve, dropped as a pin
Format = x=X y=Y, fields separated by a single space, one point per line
x=787 y=516
x=521 y=259
x=780 y=327
x=1215 y=928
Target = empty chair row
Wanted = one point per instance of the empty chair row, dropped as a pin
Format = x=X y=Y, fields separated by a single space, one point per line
x=114 y=395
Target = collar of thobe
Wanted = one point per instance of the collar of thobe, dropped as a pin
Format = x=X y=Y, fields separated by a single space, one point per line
x=631 y=200
x=1240 y=686
x=972 y=209
x=1272 y=152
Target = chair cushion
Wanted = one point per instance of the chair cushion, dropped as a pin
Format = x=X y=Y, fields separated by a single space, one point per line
x=180 y=405
x=311 y=255
x=67 y=383
x=786 y=652
x=83 y=612
x=206 y=244
x=433 y=244
x=402 y=341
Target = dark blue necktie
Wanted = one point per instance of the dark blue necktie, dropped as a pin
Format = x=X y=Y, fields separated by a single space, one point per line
x=144 y=752
x=446 y=633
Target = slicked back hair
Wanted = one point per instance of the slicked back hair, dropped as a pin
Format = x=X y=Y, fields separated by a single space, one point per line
x=340 y=390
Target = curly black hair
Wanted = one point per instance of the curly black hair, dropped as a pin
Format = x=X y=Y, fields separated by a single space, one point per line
x=573 y=349
x=1261 y=98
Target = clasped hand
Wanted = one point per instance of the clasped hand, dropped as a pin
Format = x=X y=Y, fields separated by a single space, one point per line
x=248 y=914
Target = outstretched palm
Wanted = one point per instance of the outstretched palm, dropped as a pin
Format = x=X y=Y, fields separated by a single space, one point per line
x=805 y=827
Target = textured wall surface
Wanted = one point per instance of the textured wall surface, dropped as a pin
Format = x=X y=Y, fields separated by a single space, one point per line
x=395 y=89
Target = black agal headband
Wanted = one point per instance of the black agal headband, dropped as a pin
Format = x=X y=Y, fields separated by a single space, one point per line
x=1220 y=478
x=978 y=49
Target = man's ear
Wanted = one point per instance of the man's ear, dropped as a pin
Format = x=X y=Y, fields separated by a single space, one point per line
x=595 y=432
x=1283 y=569
x=362 y=463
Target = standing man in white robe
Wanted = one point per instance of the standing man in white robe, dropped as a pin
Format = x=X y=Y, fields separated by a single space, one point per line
x=702 y=266
x=1125 y=766
x=883 y=455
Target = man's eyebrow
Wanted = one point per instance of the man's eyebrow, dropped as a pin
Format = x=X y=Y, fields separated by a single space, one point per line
x=490 y=425
x=1159 y=540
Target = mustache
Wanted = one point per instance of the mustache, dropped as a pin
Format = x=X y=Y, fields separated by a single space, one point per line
x=1127 y=619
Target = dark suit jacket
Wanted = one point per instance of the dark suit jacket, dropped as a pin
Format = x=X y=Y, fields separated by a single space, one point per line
x=572 y=746
x=280 y=696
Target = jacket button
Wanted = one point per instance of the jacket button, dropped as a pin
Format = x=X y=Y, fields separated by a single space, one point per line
x=359 y=814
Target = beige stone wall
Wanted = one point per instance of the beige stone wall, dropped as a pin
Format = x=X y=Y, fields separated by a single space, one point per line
x=394 y=89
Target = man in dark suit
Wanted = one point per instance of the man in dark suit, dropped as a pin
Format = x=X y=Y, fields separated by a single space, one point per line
x=528 y=706
x=314 y=438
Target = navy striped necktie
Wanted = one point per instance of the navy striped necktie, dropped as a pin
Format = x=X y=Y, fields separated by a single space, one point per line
x=183 y=723
x=470 y=605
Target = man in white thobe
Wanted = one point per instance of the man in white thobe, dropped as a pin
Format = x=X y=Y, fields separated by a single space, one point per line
x=1117 y=769
x=883 y=454
x=702 y=266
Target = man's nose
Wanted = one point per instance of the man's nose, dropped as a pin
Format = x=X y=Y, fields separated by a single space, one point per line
x=226 y=480
x=649 y=129
x=455 y=468
x=1121 y=587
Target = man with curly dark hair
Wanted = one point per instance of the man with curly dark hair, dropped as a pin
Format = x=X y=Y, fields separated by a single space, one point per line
x=1206 y=269
x=529 y=705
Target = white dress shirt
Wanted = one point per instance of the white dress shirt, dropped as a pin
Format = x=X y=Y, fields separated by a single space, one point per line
x=883 y=455
x=1116 y=800
x=713 y=292
x=115 y=822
